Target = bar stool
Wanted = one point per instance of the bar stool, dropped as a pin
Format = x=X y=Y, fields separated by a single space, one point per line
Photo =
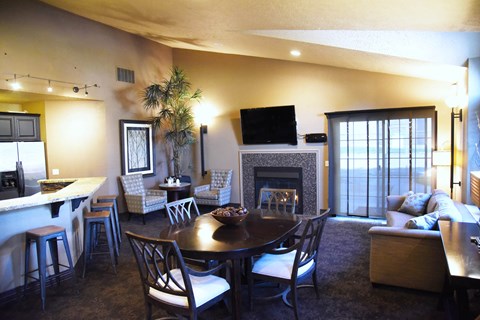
x=113 y=198
x=90 y=220
x=108 y=206
x=41 y=236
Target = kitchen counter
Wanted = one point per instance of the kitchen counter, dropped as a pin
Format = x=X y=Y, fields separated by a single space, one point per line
x=81 y=187
x=62 y=203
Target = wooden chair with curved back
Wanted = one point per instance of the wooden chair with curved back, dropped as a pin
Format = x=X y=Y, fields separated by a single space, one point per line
x=290 y=266
x=278 y=199
x=180 y=210
x=171 y=285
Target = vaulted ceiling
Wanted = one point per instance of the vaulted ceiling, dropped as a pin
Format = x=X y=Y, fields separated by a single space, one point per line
x=429 y=39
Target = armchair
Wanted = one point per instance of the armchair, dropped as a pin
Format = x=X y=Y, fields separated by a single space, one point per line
x=139 y=200
x=218 y=192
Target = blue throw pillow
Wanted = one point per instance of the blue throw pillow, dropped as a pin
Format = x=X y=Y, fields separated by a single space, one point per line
x=425 y=222
x=415 y=203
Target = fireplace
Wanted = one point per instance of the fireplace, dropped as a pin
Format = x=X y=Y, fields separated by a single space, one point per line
x=305 y=160
x=280 y=178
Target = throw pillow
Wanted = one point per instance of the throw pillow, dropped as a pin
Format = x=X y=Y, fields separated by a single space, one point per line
x=425 y=222
x=415 y=203
x=447 y=209
x=432 y=203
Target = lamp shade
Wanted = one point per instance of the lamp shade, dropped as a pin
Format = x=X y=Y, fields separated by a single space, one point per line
x=441 y=158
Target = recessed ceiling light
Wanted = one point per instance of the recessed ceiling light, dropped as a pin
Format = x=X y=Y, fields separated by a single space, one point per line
x=295 y=53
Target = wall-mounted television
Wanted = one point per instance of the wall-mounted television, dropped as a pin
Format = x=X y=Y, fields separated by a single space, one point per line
x=269 y=125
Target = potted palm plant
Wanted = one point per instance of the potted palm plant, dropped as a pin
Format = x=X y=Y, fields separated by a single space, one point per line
x=172 y=99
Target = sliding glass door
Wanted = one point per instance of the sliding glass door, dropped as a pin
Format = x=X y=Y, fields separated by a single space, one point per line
x=374 y=154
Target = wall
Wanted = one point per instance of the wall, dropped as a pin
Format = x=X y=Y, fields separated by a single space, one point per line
x=472 y=126
x=76 y=136
x=230 y=83
x=46 y=42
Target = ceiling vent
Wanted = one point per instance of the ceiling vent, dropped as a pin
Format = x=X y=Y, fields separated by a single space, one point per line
x=125 y=75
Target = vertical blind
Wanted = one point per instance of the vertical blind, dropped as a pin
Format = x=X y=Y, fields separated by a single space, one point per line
x=375 y=153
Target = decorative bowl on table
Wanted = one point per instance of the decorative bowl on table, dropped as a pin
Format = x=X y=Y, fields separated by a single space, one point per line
x=230 y=215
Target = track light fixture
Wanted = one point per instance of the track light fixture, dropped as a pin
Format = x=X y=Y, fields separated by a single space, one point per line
x=76 y=87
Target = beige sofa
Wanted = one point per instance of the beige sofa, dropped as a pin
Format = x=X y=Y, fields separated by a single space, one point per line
x=409 y=258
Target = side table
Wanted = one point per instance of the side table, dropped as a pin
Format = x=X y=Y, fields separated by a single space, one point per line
x=176 y=191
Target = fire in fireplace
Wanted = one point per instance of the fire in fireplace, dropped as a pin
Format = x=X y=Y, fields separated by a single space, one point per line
x=281 y=178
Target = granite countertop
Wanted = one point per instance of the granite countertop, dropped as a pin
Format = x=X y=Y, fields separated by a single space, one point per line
x=81 y=187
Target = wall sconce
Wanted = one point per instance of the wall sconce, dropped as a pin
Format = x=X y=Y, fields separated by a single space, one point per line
x=454 y=101
x=203 y=130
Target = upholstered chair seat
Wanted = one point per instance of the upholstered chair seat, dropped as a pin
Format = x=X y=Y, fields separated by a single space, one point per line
x=218 y=192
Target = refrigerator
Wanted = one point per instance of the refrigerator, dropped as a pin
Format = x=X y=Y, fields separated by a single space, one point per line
x=21 y=165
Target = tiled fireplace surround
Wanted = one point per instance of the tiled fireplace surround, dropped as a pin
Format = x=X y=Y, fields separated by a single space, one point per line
x=308 y=160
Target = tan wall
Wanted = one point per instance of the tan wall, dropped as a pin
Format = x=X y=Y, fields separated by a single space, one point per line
x=46 y=42
x=231 y=82
x=76 y=138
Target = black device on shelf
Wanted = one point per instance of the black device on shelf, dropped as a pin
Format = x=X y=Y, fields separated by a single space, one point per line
x=269 y=125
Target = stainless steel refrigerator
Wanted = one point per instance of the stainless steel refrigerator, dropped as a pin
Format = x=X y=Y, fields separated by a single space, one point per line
x=21 y=165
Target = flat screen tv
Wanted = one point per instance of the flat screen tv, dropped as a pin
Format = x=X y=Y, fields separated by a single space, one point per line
x=269 y=125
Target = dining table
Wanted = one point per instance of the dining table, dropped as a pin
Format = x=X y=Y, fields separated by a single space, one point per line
x=208 y=239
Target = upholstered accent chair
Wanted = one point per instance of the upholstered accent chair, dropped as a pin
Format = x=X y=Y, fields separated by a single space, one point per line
x=139 y=200
x=218 y=192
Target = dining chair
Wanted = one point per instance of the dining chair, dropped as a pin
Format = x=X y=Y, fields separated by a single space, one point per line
x=171 y=285
x=278 y=199
x=290 y=266
x=180 y=210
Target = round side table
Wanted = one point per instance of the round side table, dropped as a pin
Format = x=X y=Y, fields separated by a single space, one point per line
x=176 y=191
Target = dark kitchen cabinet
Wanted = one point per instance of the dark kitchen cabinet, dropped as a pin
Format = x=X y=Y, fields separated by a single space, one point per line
x=19 y=127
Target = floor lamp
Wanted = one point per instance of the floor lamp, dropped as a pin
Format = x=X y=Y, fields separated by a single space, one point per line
x=453 y=116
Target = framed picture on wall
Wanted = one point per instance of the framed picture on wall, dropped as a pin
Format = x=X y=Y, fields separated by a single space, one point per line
x=137 y=147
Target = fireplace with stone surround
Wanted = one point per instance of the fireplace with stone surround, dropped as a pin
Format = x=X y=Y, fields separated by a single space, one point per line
x=297 y=169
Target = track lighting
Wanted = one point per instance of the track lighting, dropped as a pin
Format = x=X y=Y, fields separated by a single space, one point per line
x=15 y=85
x=76 y=87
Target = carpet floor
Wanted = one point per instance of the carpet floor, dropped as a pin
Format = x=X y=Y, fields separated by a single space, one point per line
x=343 y=274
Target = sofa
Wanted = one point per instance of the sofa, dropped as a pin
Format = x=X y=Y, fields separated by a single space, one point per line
x=407 y=253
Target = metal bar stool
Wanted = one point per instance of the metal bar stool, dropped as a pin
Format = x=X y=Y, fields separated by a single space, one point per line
x=90 y=220
x=108 y=206
x=41 y=236
x=113 y=198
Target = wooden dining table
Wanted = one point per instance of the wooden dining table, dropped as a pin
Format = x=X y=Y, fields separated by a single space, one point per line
x=207 y=239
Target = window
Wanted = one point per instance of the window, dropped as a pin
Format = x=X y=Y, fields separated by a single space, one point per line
x=375 y=153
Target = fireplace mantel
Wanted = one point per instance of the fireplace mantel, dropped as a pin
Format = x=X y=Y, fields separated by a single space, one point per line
x=308 y=160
